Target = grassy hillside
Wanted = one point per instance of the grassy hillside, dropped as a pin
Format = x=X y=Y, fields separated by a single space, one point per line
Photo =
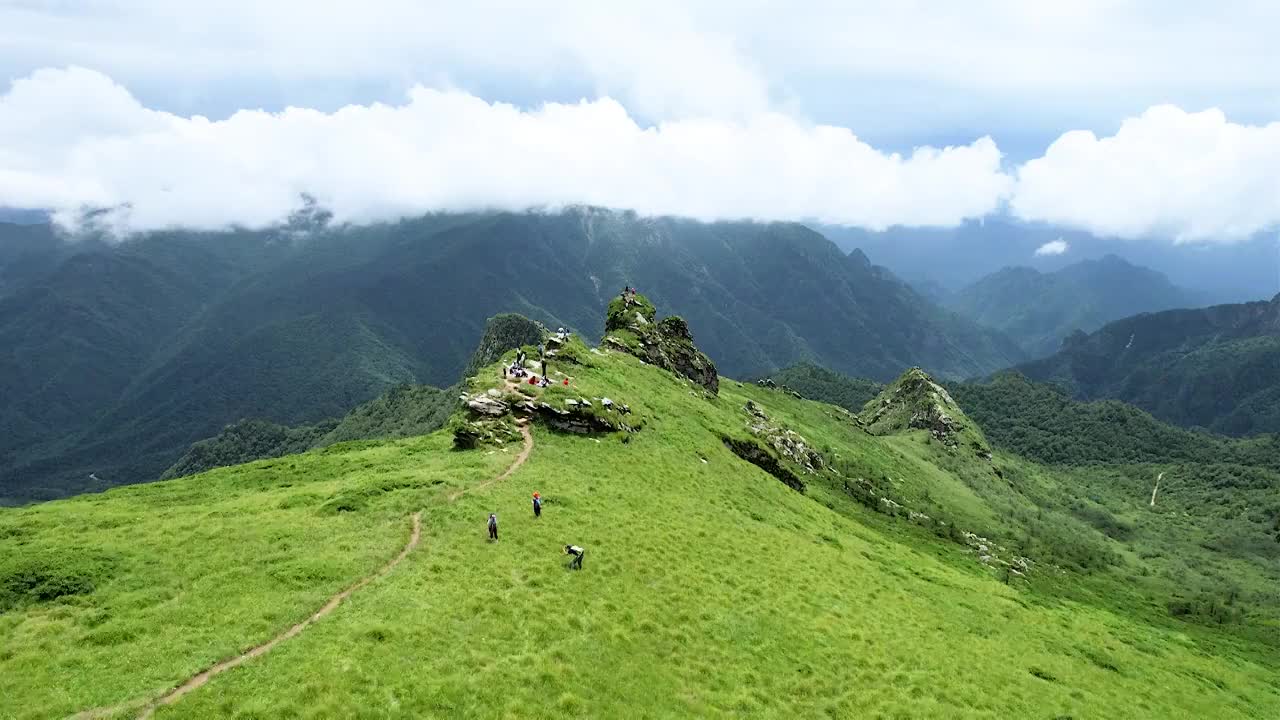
x=709 y=588
x=121 y=358
x=1039 y=309
x=1217 y=509
x=1216 y=368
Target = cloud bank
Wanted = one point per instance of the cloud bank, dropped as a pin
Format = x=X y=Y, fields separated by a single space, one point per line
x=1169 y=173
x=72 y=138
x=1053 y=247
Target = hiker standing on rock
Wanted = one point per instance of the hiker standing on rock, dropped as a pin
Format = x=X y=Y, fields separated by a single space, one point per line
x=577 y=553
x=493 y=526
x=537 y=505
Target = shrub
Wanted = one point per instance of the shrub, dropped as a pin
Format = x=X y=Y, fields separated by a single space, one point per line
x=44 y=577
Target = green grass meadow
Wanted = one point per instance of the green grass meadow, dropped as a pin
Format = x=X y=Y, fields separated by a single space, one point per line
x=709 y=588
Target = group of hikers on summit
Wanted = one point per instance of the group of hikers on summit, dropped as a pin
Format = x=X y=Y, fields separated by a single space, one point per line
x=518 y=369
x=573 y=550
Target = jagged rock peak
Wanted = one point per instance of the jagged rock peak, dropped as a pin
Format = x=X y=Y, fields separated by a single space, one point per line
x=631 y=327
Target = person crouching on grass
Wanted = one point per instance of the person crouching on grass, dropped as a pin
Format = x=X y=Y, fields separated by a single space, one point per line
x=577 y=553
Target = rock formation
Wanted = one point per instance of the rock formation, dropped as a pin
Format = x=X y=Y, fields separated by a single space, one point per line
x=632 y=328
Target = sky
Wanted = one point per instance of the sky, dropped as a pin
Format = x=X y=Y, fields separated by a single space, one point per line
x=1153 y=121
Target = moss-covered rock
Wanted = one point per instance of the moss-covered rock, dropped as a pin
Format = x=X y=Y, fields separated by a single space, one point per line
x=667 y=343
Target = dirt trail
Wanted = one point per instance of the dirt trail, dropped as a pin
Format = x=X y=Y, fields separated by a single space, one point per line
x=199 y=679
x=524 y=455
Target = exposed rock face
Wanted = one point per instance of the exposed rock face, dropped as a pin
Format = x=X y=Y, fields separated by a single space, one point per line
x=491 y=418
x=486 y=405
x=790 y=444
x=763 y=459
x=668 y=344
x=576 y=418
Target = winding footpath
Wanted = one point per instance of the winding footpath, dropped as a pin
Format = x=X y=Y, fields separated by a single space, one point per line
x=199 y=679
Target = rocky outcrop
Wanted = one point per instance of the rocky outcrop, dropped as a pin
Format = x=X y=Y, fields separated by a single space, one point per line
x=489 y=404
x=491 y=417
x=632 y=328
x=765 y=460
x=788 y=443
x=916 y=402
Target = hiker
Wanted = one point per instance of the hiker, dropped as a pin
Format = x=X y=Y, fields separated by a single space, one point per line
x=537 y=505
x=544 y=367
x=577 y=554
x=545 y=381
x=493 y=526
x=542 y=352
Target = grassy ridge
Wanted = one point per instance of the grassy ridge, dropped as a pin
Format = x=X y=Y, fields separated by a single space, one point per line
x=709 y=588
x=161 y=580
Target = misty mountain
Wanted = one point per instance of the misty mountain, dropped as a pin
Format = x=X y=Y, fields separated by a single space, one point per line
x=1039 y=309
x=1217 y=368
x=122 y=356
x=959 y=256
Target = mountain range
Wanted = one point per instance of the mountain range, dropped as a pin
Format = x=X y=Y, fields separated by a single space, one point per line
x=955 y=257
x=116 y=357
x=1216 y=368
x=1039 y=309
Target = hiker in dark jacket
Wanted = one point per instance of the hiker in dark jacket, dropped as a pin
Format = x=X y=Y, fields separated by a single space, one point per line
x=493 y=526
x=537 y=505
x=577 y=554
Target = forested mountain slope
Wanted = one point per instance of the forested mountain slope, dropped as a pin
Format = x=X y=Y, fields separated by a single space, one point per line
x=124 y=355
x=1039 y=309
x=1216 y=367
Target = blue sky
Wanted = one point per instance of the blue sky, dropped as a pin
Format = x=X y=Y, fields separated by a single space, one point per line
x=1137 y=119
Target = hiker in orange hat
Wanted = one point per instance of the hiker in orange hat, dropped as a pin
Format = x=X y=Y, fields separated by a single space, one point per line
x=537 y=505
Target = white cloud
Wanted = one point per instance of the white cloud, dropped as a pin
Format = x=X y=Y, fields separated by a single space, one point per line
x=73 y=137
x=1053 y=247
x=1194 y=177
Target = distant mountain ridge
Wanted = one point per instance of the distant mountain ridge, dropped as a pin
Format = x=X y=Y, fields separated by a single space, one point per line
x=959 y=256
x=1039 y=309
x=119 y=357
x=1216 y=367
